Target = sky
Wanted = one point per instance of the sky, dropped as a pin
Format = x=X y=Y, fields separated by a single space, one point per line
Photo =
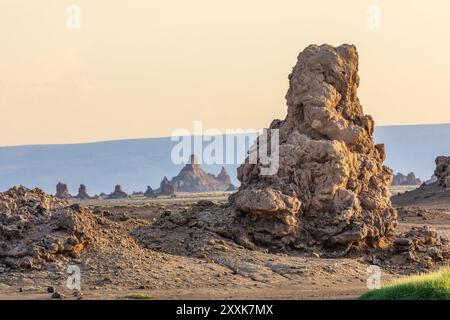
x=138 y=69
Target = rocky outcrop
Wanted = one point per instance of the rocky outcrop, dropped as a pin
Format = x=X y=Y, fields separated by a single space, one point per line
x=420 y=245
x=192 y=178
x=62 y=192
x=36 y=228
x=118 y=193
x=429 y=192
x=442 y=171
x=432 y=179
x=409 y=180
x=166 y=187
x=331 y=189
x=82 y=192
x=149 y=193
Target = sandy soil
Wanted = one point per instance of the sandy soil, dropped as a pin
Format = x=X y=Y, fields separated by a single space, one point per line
x=218 y=270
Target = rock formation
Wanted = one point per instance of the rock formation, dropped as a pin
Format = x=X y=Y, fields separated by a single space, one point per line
x=331 y=189
x=409 y=180
x=224 y=177
x=434 y=190
x=118 y=193
x=192 y=178
x=432 y=179
x=62 y=192
x=149 y=193
x=36 y=228
x=166 y=187
x=82 y=192
x=442 y=171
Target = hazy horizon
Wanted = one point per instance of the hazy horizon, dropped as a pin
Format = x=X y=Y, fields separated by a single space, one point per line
x=142 y=69
x=165 y=137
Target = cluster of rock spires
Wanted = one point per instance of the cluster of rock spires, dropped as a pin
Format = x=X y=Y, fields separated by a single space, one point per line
x=409 y=180
x=331 y=189
x=192 y=178
x=62 y=192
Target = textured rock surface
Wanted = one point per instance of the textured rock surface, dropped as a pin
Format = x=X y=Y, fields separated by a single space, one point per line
x=409 y=180
x=82 y=192
x=331 y=189
x=62 y=192
x=36 y=228
x=442 y=171
x=166 y=187
x=118 y=193
x=192 y=178
x=420 y=245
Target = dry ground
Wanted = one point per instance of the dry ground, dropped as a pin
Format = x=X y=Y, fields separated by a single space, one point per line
x=123 y=266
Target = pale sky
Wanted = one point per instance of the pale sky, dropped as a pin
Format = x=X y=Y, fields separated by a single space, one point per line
x=141 y=68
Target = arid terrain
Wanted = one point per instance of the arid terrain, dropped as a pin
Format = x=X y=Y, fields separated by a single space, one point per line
x=305 y=225
x=118 y=265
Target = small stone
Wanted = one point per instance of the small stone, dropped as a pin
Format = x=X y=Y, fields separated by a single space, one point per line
x=56 y=295
x=50 y=290
x=77 y=294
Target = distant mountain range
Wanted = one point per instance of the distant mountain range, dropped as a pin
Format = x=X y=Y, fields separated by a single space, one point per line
x=134 y=164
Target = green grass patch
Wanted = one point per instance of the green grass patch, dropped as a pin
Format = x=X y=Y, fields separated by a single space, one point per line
x=429 y=286
x=140 y=296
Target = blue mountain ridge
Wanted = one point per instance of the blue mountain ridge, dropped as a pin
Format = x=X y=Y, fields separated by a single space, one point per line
x=140 y=162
